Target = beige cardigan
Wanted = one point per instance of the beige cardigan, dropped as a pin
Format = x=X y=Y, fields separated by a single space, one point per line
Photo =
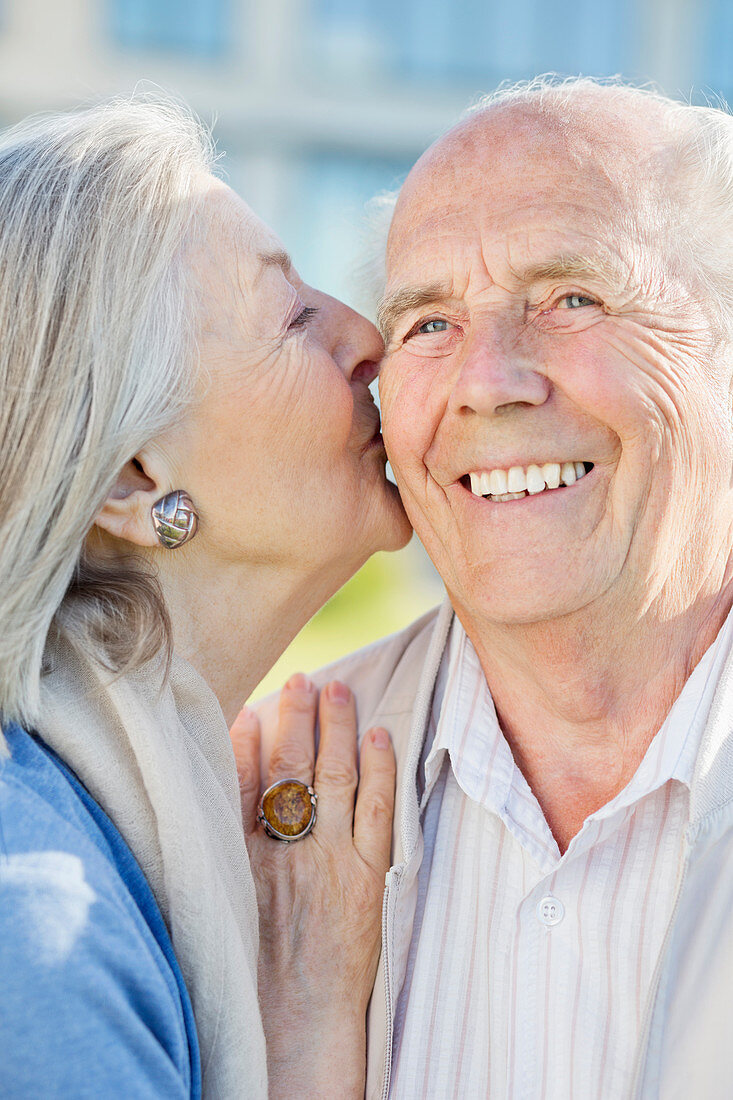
x=159 y=760
x=686 y=1048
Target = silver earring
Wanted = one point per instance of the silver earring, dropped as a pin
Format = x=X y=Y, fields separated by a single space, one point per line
x=175 y=519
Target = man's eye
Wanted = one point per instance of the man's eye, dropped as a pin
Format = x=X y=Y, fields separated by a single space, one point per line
x=576 y=301
x=436 y=325
x=304 y=316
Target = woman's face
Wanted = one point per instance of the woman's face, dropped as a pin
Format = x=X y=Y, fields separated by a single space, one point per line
x=282 y=452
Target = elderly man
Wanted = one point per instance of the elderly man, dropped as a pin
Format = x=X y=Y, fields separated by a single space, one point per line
x=556 y=394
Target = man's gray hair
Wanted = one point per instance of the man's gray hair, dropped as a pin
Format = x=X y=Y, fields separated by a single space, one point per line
x=695 y=174
x=96 y=359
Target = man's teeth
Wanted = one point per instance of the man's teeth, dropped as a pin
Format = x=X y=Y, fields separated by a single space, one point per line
x=497 y=482
x=515 y=482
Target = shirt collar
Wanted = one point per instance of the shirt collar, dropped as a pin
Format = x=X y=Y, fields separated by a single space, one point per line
x=673 y=751
x=466 y=727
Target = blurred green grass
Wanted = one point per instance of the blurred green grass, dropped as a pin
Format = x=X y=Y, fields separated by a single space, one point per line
x=385 y=595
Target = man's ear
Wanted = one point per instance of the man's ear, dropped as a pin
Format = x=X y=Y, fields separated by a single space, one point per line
x=126 y=511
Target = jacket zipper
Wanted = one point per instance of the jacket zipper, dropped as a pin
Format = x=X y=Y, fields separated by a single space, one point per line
x=387 y=985
x=643 y=1051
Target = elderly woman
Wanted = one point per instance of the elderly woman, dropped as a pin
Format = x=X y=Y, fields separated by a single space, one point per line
x=190 y=465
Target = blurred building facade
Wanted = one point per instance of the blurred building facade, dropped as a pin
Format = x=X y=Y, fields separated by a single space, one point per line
x=319 y=104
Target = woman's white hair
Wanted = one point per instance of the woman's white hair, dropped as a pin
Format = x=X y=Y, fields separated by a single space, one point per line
x=694 y=175
x=97 y=355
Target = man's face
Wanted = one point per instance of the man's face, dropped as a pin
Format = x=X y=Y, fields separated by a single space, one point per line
x=535 y=318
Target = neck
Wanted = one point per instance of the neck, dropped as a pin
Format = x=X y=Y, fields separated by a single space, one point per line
x=580 y=698
x=233 y=622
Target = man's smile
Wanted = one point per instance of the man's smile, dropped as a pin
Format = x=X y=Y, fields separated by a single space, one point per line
x=500 y=485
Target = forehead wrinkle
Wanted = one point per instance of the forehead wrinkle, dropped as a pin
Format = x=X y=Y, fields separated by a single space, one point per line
x=401 y=301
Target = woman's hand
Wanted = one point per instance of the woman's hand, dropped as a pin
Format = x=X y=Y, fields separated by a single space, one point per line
x=320 y=897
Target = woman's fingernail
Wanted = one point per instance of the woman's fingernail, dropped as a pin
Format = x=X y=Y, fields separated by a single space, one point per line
x=338 y=693
x=299 y=682
x=380 y=739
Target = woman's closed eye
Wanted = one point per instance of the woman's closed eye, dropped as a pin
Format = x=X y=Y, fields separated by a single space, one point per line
x=305 y=315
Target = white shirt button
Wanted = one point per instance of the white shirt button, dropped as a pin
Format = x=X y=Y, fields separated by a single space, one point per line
x=550 y=911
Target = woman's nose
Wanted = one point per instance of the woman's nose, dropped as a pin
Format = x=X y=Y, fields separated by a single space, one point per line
x=356 y=344
x=495 y=373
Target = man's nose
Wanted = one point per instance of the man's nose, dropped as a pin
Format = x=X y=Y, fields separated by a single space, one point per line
x=497 y=373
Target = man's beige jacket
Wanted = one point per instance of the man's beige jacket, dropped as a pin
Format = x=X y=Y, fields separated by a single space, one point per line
x=686 y=1046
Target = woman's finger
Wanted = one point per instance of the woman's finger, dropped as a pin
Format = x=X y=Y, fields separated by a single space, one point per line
x=245 y=737
x=375 y=800
x=336 y=770
x=293 y=750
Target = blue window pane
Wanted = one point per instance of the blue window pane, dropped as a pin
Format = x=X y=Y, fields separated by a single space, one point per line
x=324 y=228
x=185 y=26
x=716 y=72
x=491 y=40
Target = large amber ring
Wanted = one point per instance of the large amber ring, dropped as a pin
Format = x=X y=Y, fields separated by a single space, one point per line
x=287 y=810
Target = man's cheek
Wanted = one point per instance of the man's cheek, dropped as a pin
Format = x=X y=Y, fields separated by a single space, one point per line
x=387 y=381
x=395 y=445
x=396 y=420
x=410 y=419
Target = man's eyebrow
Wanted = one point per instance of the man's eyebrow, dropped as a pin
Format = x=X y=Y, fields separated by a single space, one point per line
x=406 y=298
x=601 y=265
x=577 y=266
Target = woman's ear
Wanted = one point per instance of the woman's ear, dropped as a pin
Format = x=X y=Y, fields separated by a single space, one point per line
x=126 y=513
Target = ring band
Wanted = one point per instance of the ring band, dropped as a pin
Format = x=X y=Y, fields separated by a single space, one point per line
x=287 y=810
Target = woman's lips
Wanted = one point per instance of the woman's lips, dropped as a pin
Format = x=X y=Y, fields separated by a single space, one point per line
x=372 y=430
x=375 y=441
